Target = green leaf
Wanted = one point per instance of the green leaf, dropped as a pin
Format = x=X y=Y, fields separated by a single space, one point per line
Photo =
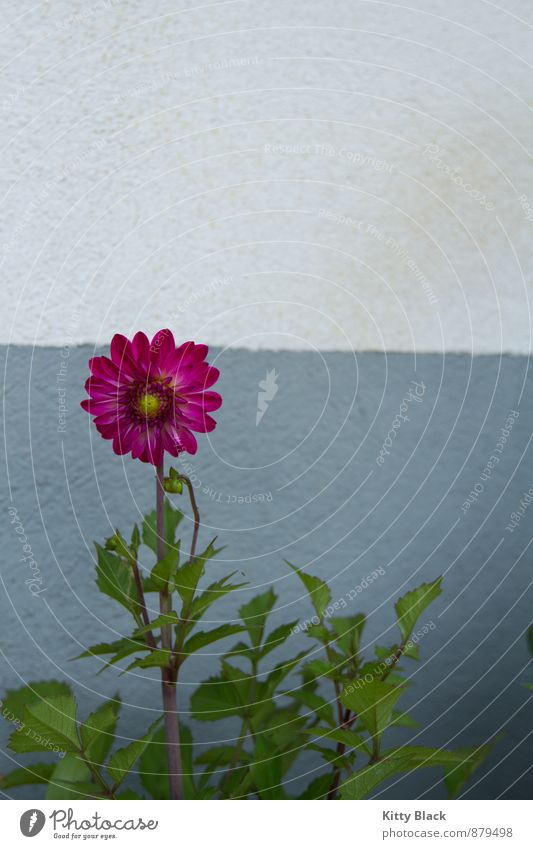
x=114 y=578
x=348 y=632
x=172 y=519
x=212 y=593
x=254 y=615
x=373 y=701
x=204 y=638
x=216 y=699
x=266 y=769
x=153 y=767
x=456 y=776
x=122 y=761
x=339 y=735
x=160 y=621
x=274 y=678
x=98 y=731
x=30 y=774
x=361 y=783
x=72 y=780
x=410 y=607
x=222 y=756
x=163 y=574
x=403 y=720
x=135 y=540
x=48 y=725
x=318 y=789
x=306 y=696
x=15 y=702
x=530 y=640
x=187 y=577
x=277 y=637
x=159 y=658
x=317 y=589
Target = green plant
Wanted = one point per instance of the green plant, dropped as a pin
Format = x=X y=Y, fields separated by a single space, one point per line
x=282 y=709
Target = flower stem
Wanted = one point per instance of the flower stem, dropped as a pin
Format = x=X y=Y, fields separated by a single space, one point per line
x=196 y=513
x=168 y=676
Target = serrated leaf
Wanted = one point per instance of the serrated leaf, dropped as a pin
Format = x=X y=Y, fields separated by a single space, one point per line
x=254 y=615
x=71 y=780
x=410 y=607
x=212 y=593
x=98 y=731
x=361 y=783
x=322 y=708
x=216 y=699
x=47 y=725
x=277 y=637
x=274 y=678
x=30 y=774
x=121 y=762
x=373 y=702
x=149 y=527
x=115 y=578
x=163 y=574
x=266 y=770
x=188 y=575
x=318 y=788
x=153 y=766
x=338 y=735
x=160 y=621
x=456 y=776
x=403 y=720
x=200 y=639
x=348 y=632
x=317 y=589
x=15 y=702
x=222 y=756
x=159 y=658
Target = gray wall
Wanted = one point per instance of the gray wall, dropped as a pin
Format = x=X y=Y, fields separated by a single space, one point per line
x=330 y=508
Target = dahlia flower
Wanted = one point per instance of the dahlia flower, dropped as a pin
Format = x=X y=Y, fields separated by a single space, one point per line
x=148 y=397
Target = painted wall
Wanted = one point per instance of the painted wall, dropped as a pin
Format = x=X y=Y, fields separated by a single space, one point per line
x=333 y=176
x=341 y=193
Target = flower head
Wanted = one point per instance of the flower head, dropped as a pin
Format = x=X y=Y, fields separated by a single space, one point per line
x=148 y=397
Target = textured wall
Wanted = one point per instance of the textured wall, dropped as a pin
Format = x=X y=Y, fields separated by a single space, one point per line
x=293 y=176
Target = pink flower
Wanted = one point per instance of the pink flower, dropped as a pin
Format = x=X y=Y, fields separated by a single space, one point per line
x=150 y=396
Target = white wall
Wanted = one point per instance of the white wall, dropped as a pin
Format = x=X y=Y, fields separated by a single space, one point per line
x=194 y=164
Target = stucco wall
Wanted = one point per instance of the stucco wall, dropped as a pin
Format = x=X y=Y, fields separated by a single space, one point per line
x=350 y=171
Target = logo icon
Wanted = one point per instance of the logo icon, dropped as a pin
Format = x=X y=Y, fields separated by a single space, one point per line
x=267 y=390
x=32 y=822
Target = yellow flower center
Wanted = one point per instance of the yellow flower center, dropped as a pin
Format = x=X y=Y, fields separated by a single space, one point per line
x=149 y=405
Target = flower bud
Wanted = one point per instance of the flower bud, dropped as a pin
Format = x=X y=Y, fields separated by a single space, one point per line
x=173 y=485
